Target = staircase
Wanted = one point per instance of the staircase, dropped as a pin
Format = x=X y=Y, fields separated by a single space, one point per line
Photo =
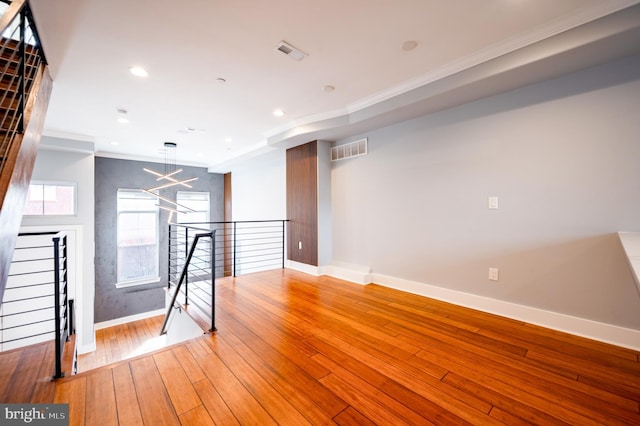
x=25 y=88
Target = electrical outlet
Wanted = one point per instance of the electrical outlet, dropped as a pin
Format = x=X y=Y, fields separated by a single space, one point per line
x=493 y=274
x=492 y=203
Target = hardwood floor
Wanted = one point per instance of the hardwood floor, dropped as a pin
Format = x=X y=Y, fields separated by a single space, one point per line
x=294 y=349
x=123 y=341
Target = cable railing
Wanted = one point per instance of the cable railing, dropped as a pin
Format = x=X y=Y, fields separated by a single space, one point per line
x=200 y=252
x=192 y=279
x=21 y=58
x=242 y=247
x=36 y=306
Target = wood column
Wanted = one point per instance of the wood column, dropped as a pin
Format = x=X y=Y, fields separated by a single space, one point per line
x=302 y=203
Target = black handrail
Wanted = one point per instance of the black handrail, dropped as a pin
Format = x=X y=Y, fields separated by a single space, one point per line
x=183 y=279
x=235 y=247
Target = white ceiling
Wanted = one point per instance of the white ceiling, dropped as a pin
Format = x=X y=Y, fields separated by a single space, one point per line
x=353 y=45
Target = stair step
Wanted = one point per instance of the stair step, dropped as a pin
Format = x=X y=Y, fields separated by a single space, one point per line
x=13 y=66
x=115 y=364
x=7 y=47
x=9 y=104
x=7 y=131
x=9 y=82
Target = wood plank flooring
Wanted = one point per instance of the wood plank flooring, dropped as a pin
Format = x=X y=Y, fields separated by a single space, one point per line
x=294 y=349
x=123 y=341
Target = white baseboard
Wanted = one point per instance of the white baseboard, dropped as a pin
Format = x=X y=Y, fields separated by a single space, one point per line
x=130 y=318
x=608 y=333
x=352 y=273
x=355 y=276
x=303 y=267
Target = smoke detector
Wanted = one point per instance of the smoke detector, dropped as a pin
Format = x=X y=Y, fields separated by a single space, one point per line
x=291 y=51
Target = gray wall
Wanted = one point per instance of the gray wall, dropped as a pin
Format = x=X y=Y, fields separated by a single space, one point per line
x=563 y=156
x=111 y=174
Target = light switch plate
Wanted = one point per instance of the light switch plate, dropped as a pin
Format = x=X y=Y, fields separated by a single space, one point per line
x=492 y=203
x=494 y=274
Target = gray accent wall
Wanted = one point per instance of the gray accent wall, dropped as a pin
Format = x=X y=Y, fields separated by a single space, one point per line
x=563 y=156
x=110 y=175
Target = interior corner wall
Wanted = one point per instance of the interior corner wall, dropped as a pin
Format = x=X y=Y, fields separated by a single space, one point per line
x=563 y=158
x=110 y=175
x=324 y=203
x=259 y=187
x=78 y=168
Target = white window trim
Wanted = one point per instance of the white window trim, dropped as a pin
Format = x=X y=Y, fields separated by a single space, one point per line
x=135 y=283
x=208 y=194
x=145 y=280
x=57 y=183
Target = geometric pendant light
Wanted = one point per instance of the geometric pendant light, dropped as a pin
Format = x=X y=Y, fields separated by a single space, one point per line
x=167 y=180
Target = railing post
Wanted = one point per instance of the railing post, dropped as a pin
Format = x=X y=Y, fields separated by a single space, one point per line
x=66 y=289
x=169 y=259
x=234 y=247
x=213 y=281
x=56 y=305
x=71 y=308
x=186 y=277
x=283 y=242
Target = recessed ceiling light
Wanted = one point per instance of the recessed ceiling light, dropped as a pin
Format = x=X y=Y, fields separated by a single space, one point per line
x=328 y=88
x=409 y=45
x=138 y=71
x=278 y=113
x=191 y=130
x=115 y=143
x=221 y=80
x=228 y=140
x=200 y=155
x=122 y=116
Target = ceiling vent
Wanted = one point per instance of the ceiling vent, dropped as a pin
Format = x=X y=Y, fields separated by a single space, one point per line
x=349 y=150
x=291 y=51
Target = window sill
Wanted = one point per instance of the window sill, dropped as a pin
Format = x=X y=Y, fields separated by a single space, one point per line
x=144 y=281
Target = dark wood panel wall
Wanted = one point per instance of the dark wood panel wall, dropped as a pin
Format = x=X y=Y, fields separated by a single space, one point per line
x=302 y=203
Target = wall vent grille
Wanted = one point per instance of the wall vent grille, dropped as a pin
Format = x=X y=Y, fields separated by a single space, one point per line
x=349 y=150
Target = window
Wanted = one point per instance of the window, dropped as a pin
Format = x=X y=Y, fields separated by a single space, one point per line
x=137 y=260
x=50 y=199
x=198 y=201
